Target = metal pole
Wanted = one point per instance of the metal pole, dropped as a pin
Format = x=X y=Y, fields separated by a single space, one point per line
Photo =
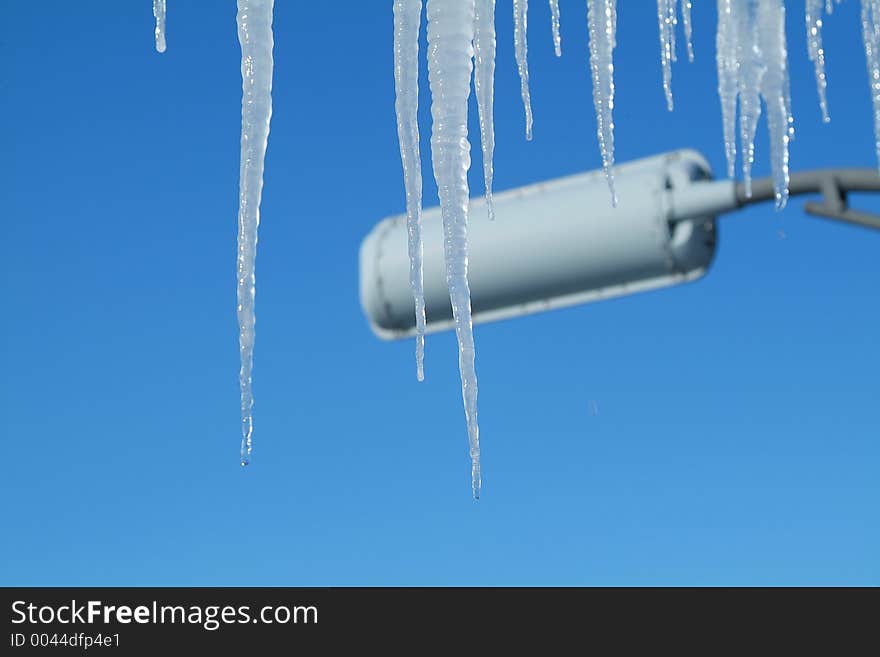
x=833 y=184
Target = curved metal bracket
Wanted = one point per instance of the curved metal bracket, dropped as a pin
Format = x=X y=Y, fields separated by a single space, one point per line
x=833 y=184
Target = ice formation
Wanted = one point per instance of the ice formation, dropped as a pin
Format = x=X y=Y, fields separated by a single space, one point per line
x=159 y=14
x=407 y=23
x=752 y=68
x=775 y=92
x=255 y=35
x=484 y=87
x=815 y=50
x=686 y=6
x=602 y=24
x=667 y=22
x=450 y=54
x=520 y=41
x=752 y=62
x=871 y=37
x=554 y=22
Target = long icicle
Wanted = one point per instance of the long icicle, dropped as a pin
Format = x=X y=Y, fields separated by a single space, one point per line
x=450 y=53
x=255 y=35
x=159 y=15
x=484 y=87
x=407 y=22
x=602 y=24
x=871 y=38
x=521 y=47
x=555 y=24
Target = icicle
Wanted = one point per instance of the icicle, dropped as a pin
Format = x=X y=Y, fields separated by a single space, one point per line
x=815 y=50
x=450 y=52
x=751 y=70
x=774 y=90
x=484 y=86
x=686 y=6
x=667 y=21
x=871 y=37
x=520 y=30
x=753 y=64
x=159 y=13
x=554 y=18
x=602 y=23
x=255 y=35
x=726 y=48
x=407 y=21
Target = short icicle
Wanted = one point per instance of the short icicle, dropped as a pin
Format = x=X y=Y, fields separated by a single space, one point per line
x=255 y=35
x=602 y=24
x=450 y=55
x=751 y=69
x=667 y=21
x=815 y=50
x=555 y=23
x=159 y=15
x=775 y=91
x=686 y=6
x=407 y=21
x=521 y=47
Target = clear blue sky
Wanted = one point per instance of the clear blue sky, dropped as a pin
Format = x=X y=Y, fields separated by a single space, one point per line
x=737 y=439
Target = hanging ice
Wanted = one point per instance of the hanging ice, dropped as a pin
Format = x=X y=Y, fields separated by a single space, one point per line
x=728 y=77
x=520 y=41
x=815 y=49
x=407 y=21
x=159 y=14
x=751 y=70
x=450 y=52
x=686 y=6
x=667 y=22
x=871 y=37
x=602 y=23
x=753 y=65
x=255 y=35
x=554 y=20
x=484 y=86
x=775 y=91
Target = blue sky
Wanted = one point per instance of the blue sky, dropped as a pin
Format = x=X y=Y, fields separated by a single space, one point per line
x=736 y=439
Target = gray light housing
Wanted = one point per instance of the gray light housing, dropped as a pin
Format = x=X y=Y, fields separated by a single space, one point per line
x=556 y=244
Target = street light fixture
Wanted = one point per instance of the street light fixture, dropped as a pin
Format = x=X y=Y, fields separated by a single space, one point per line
x=560 y=243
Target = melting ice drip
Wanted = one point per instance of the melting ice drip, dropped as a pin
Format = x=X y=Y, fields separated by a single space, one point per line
x=255 y=35
x=159 y=14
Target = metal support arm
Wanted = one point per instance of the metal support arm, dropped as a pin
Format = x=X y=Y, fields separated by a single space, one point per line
x=833 y=184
